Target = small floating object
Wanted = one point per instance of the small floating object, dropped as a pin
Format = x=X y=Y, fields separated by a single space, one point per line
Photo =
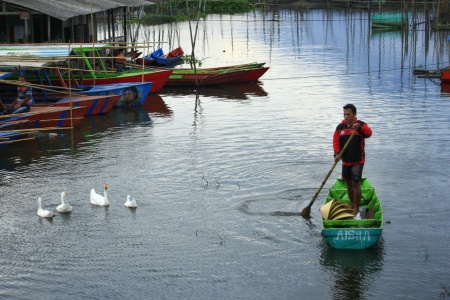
x=52 y=134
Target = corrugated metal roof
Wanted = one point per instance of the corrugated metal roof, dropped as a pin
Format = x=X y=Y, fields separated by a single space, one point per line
x=63 y=9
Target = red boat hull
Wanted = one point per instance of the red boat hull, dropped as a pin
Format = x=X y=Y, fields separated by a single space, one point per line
x=205 y=78
x=60 y=122
x=157 y=76
x=58 y=116
x=177 y=52
x=254 y=74
x=445 y=75
x=17 y=125
x=96 y=104
x=50 y=116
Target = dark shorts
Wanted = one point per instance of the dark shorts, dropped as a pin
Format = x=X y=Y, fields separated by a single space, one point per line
x=353 y=172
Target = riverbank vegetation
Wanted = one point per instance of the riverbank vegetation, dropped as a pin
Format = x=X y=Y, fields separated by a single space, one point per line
x=177 y=10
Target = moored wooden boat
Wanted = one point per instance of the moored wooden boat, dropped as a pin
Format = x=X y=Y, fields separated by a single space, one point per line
x=349 y=233
x=445 y=75
x=157 y=76
x=60 y=116
x=96 y=104
x=49 y=92
x=173 y=57
x=95 y=72
x=217 y=75
x=50 y=116
x=150 y=59
x=202 y=79
x=254 y=74
x=252 y=65
x=17 y=125
x=141 y=88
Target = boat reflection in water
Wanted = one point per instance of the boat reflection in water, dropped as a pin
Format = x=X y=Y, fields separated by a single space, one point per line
x=388 y=33
x=353 y=271
x=117 y=117
x=91 y=128
x=156 y=106
x=225 y=91
x=445 y=89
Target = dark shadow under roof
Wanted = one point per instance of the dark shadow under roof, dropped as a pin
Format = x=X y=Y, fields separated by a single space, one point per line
x=65 y=9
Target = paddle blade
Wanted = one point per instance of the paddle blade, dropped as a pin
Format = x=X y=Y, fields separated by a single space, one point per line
x=306 y=212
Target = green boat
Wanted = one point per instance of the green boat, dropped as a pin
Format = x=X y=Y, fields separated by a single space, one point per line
x=391 y=20
x=89 y=65
x=350 y=233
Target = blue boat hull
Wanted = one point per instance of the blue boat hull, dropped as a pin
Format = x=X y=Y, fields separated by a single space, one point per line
x=352 y=238
x=9 y=93
x=143 y=89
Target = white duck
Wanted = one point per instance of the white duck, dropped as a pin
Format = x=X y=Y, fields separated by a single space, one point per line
x=44 y=213
x=131 y=202
x=64 y=207
x=97 y=199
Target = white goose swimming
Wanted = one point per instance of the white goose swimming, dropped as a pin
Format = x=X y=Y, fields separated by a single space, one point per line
x=64 y=207
x=131 y=202
x=97 y=199
x=44 y=213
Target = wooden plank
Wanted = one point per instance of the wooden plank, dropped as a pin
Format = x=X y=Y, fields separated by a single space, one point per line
x=15 y=141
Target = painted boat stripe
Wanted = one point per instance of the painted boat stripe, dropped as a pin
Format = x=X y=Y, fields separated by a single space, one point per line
x=105 y=102
x=91 y=109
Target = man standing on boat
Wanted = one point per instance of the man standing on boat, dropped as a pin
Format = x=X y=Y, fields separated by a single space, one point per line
x=353 y=157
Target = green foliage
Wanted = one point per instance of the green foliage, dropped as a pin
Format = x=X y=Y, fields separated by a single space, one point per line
x=176 y=9
x=154 y=19
x=187 y=59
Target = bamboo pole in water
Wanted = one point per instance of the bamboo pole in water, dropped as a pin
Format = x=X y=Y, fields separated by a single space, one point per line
x=34 y=130
x=37 y=86
x=70 y=90
x=193 y=39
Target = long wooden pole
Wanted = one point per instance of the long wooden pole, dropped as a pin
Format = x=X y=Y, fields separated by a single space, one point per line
x=307 y=210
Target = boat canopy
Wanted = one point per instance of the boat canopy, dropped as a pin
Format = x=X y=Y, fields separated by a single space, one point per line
x=46 y=50
x=27 y=65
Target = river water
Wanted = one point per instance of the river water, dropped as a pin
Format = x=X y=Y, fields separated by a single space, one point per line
x=220 y=174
